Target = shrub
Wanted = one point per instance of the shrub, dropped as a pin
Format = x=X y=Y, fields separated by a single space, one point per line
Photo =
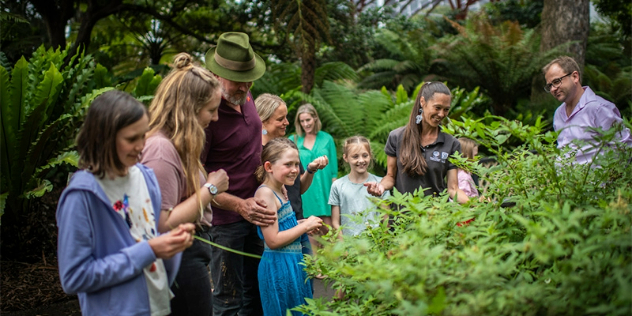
x=563 y=249
x=43 y=103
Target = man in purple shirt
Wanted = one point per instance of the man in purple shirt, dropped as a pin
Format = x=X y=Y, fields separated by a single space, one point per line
x=581 y=110
x=233 y=143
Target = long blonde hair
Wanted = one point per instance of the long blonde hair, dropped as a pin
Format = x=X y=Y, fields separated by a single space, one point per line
x=266 y=105
x=309 y=109
x=174 y=110
x=467 y=147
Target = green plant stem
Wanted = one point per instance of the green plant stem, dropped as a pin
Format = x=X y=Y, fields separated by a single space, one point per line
x=227 y=249
x=553 y=173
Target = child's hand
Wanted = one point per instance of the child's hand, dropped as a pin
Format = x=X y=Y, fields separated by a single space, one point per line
x=169 y=244
x=312 y=223
x=318 y=163
x=374 y=188
x=218 y=178
x=309 y=233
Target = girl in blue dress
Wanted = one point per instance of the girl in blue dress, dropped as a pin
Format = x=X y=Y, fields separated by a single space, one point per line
x=282 y=281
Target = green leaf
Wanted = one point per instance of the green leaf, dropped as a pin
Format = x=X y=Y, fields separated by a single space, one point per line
x=3 y=202
x=153 y=85
x=101 y=77
x=47 y=92
x=43 y=187
x=69 y=157
x=143 y=85
x=227 y=249
x=80 y=107
x=7 y=133
x=17 y=92
x=480 y=131
x=401 y=96
x=438 y=303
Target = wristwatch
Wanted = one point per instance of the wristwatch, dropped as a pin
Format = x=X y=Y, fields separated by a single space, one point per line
x=211 y=188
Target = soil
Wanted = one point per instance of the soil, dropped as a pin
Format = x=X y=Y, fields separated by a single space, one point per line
x=34 y=289
x=28 y=266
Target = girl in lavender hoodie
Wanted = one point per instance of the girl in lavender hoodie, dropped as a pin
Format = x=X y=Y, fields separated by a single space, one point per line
x=109 y=249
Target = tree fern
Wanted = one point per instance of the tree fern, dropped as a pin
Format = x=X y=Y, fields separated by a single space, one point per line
x=305 y=24
x=411 y=56
x=617 y=88
x=502 y=60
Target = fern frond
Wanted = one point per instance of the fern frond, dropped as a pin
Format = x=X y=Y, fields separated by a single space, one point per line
x=334 y=71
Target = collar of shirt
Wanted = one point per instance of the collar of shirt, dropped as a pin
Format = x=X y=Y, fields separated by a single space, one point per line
x=587 y=97
x=440 y=140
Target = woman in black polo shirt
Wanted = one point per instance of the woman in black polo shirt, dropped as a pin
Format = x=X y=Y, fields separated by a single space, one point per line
x=418 y=152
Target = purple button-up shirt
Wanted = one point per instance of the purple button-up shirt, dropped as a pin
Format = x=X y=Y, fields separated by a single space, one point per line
x=591 y=111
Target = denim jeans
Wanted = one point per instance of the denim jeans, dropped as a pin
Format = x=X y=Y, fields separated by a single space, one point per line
x=192 y=288
x=234 y=277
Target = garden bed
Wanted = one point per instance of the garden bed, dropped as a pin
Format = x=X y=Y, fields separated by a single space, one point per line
x=34 y=289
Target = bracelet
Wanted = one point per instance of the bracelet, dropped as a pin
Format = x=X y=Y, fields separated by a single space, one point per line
x=309 y=171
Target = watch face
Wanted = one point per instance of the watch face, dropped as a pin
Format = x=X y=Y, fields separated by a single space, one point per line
x=212 y=188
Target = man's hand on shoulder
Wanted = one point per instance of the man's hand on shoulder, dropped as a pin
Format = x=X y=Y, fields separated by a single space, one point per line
x=255 y=211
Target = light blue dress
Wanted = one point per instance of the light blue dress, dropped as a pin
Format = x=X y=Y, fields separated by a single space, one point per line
x=283 y=282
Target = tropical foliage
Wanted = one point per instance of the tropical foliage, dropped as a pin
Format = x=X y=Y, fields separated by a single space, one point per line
x=43 y=102
x=412 y=55
x=304 y=23
x=502 y=60
x=563 y=249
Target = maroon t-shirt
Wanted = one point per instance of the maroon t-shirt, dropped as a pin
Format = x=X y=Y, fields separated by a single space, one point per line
x=233 y=143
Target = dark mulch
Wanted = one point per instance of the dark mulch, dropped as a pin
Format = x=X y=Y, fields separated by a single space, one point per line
x=34 y=289
x=28 y=266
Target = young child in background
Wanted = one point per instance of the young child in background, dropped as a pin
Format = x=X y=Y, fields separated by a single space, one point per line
x=348 y=196
x=109 y=249
x=282 y=280
x=469 y=149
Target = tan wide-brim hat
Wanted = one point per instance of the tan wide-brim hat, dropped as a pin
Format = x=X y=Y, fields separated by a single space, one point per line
x=234 y=59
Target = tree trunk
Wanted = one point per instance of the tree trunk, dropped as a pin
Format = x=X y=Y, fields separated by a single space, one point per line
x=563 y=21
x=55 y=15
x=308 y=66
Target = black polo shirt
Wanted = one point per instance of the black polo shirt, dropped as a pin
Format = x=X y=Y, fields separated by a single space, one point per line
x=436 y=155
x=294 y=194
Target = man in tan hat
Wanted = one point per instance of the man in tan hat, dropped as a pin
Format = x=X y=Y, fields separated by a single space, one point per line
x=233 y=143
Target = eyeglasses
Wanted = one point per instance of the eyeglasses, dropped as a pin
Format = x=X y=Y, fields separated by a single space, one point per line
x=555 y=82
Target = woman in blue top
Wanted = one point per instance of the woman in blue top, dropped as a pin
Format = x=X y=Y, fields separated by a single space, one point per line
x=109 y=249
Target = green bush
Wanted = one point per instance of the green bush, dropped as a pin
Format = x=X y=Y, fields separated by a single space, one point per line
x=43 y=102
x=563 y=249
